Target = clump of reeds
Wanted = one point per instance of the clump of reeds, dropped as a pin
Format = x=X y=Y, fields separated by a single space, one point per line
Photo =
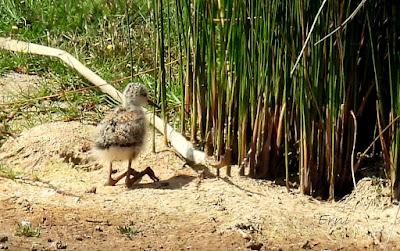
x=241 y=103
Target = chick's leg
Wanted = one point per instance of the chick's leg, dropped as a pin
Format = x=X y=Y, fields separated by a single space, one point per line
x=150 y=173
x=130 y=172
x=138 y=175
x=111 y=181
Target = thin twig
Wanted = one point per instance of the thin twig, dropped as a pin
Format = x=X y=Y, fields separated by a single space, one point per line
x=56 y=189
x=62 y=93
x=344 y=23
x=142 y=72
x=222 y=20
x=363 y=154
x=352 y=151
x=380 y=134
x=129 y=36
x=308 y=37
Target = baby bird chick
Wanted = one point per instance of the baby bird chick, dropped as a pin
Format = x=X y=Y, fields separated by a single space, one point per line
x=122 y=133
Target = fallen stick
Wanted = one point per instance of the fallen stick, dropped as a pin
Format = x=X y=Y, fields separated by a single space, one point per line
x=31 y=181
x=177 y=141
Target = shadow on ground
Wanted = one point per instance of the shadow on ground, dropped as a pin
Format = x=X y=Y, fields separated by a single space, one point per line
x=175 y=182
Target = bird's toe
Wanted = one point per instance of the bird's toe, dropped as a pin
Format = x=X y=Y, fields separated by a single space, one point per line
x=110 y=182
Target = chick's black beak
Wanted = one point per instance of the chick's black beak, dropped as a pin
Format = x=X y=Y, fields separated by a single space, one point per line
x=150 y=102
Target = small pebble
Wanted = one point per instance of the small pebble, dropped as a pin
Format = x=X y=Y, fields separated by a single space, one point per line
x=61 y=245
x=253 y=245
x=87 y=236
x=91 y=190
x=245 y=235
x=58 y=245
x=212 y=218
x=306 y=245
x=25 y=223
x=99 y=229
x=85 y=147
x=34 y=247
x=79 y=238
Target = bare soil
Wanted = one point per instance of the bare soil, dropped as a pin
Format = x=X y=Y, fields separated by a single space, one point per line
x=60 y=189
x=13 y=84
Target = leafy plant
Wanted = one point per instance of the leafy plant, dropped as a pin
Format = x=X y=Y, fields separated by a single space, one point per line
x=7 y=172
x=128 y=230
x=27 y=230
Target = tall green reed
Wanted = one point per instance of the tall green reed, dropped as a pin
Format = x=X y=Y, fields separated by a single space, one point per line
x=241 y=104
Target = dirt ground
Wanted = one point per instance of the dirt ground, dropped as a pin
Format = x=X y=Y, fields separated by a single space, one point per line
x=59 y=189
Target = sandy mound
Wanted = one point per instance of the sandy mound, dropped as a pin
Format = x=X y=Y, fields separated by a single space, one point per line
x=370 y=193
x=69 y=142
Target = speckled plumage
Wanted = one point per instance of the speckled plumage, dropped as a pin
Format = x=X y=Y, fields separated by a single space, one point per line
x=122 y=132
x=124 y=127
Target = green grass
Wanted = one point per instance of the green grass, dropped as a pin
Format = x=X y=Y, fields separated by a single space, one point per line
x=86 y=29
x=8 y=172
x=4 y=128
x=96 y=32
x=52 y=100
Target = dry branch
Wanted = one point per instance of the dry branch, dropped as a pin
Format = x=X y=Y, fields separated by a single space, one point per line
x=308 y=37
x=33 y=181
x=177 y=141
x=352 y=151
x=353 y=14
